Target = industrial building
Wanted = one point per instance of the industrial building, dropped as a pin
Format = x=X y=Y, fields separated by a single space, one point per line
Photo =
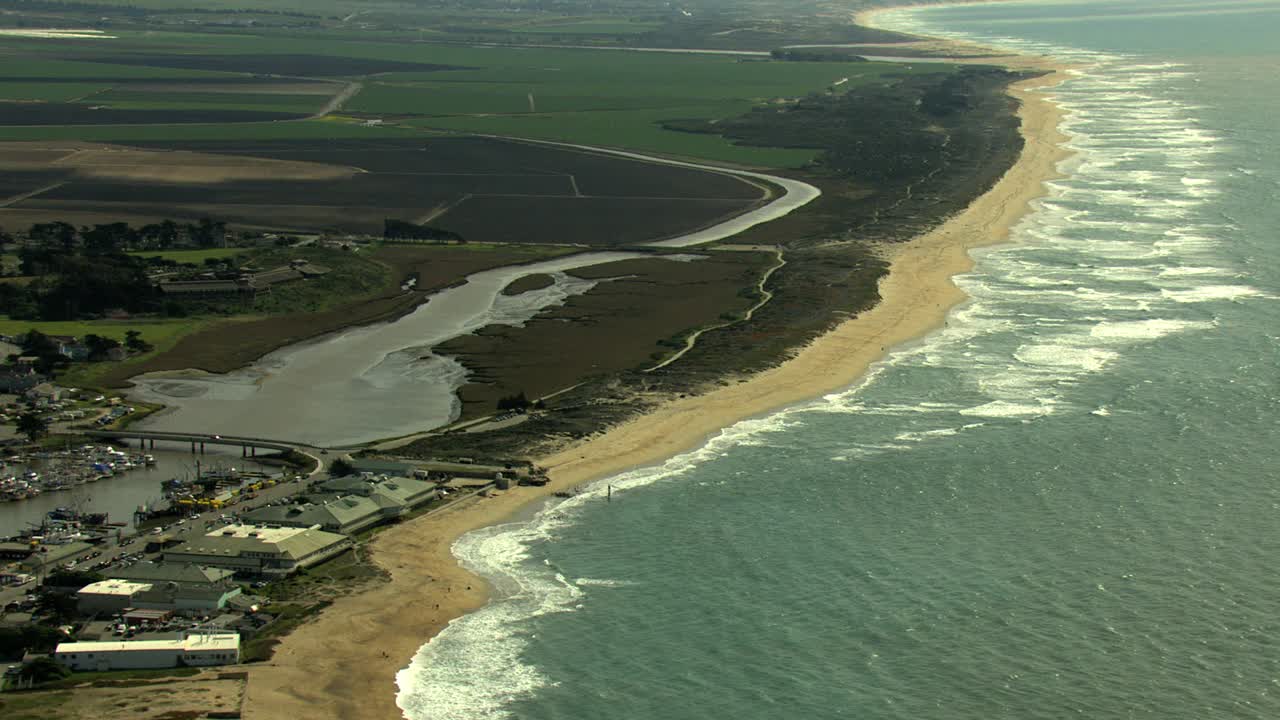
x=108 y=597
x=259 y=550
x=195 y=650
x=350 y=504
x=181 y=587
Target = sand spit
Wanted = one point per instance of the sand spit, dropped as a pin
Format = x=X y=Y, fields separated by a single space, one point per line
x=343 y=664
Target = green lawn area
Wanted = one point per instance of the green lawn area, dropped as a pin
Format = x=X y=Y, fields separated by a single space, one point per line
x=196 y=257
x=162 y=334
x=157 y=332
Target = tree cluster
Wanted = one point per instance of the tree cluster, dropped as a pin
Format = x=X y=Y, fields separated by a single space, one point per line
x=803 y=55
x=84 y=272
x=402 y=230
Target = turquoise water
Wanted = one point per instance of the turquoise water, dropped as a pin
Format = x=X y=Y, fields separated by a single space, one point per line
x=1064 y=503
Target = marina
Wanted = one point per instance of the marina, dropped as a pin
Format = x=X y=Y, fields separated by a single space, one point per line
x=122 y=494
x=25 y=476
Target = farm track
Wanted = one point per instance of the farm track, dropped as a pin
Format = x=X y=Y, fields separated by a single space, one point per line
x=337 y=101
x=15 y=199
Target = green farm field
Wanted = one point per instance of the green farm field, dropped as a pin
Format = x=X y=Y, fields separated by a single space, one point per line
x=48 y=92
x=125 y=98
x=611 y=98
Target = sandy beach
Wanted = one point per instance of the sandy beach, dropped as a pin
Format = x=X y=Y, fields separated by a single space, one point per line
x=343 y=664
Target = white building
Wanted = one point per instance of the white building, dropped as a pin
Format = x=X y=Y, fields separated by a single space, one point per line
x=108 y=596
x=259 y=550
x=193 y=650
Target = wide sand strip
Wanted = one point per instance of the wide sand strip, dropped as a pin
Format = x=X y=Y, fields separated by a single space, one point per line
x=343 y=664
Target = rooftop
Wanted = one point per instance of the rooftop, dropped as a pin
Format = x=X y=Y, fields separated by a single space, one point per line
x=173 y=572
x=114 y=587
x=221 y=641
x=237 y=540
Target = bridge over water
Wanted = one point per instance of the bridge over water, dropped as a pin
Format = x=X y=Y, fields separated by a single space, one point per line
x=248 y=445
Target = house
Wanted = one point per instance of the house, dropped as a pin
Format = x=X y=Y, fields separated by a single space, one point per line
x=19 y=379
x=47 y=392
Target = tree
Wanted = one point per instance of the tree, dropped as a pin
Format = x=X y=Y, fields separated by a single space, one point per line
x=75 y=579
x=30 y=637
x=32 y=425
x=133 y=340
x=341 y=468
x=99 y=346
x=42 y=670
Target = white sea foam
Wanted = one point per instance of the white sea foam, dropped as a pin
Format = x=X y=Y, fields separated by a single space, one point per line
x=1211 y=293
x=1141 y=330
x=1005 y=409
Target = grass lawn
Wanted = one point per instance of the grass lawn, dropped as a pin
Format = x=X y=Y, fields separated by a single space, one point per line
x=155 y=332
x=196 y=257
x=120 y=675
x=162 y=334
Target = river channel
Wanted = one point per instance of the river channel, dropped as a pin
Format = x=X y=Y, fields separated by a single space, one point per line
x=381 y=381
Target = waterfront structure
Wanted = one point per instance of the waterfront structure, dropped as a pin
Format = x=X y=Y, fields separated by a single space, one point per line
x=196 y=650
x=43 y=558
x=258 y=550
x=343 y=514
x=349 y=504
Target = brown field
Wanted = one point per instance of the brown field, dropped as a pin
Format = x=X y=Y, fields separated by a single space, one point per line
x=158 y=699
x=616 y=326
x=74 y=161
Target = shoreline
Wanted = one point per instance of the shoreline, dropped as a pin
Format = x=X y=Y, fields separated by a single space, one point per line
x=343 y=663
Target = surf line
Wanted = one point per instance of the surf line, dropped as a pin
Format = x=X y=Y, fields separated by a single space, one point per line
x=795 y=194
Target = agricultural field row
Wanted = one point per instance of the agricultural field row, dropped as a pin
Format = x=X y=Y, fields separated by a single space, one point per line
x=613 y=98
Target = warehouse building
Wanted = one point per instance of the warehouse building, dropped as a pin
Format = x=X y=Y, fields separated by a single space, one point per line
x=196 y=650
x=180 y=587
x=350 y=504
x=108 y=597
x=259 y=550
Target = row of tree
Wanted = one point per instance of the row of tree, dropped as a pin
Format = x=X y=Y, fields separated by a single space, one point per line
x=60 y=237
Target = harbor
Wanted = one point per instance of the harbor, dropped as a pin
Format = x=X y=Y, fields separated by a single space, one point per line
x=119 y=495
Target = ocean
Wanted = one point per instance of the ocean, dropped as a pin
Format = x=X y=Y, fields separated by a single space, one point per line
x=1063 y=503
